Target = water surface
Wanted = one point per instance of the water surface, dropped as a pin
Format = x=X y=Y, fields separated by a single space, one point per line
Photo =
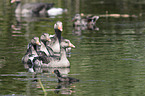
x=108 y=61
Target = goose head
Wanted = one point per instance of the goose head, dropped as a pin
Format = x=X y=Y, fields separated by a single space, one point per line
x=45 y=37
x=66 y=43
x=76 y=17
x=95 y=18
x=58 y=26
x=33 y=46
x=58 y=29
x=92 y=19
x=35 y=41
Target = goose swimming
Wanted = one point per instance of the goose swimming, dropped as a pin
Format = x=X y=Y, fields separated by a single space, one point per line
x=32 y=49
x=54 y=61
x=46 y=40
x=31 y=8
x=82 y=20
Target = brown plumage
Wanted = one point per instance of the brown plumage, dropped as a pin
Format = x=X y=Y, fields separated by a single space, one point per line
x=65 y=79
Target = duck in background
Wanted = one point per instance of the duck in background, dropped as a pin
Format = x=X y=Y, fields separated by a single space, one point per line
x=92 y=19
x=31 y=8
x=84 y=20
x=37 y=9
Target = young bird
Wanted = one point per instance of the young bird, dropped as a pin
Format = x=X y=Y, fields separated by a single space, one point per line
x=65 y=79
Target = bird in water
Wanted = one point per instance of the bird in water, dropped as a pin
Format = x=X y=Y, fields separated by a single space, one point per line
x=84 y=20
x=34 y=9
x=33 y=48
x=65 y=79
x=53 y=60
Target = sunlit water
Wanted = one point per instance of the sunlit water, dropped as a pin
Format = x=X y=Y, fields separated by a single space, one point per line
x=108 y=61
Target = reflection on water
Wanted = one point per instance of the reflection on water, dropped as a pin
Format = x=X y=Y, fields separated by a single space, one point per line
x=48 y=83
x=78 y=29
x=44 y=83
x=108 y=61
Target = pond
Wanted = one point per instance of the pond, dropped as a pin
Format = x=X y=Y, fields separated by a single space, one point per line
x=108 y=61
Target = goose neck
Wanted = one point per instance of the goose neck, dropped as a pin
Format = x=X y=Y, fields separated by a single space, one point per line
x=36 y=47
x=58 y=75
x=44 y=42
x=58 y=34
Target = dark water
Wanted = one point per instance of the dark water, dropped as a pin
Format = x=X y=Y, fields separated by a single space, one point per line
x=108 y=61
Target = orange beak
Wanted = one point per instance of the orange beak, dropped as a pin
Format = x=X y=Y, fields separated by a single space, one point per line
x=12 y=1
x=60 y=28
x=38 y=43
x=48 y=39
x=71 y=45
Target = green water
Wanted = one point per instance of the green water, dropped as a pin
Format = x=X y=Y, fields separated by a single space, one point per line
x=108 y=62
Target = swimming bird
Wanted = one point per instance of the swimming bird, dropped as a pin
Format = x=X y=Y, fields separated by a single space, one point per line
x=65 y=79
x=54 y=61
x=82 y=20
x=50 y=61
x=56 y=39
x=64 y=44
x=32 y=49
x=31 y=8
x=92 y=19
x=46 y=39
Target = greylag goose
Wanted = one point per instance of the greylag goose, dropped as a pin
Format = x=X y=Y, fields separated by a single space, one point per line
x=92 y=19
x=64 y=43
x=45 y=61
x=78 y=21
x=56 y=39
x=32 y=49
x=31 y=8
x=65 y=79
x=45 y=40
x=53 y=61
x=81 y=20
